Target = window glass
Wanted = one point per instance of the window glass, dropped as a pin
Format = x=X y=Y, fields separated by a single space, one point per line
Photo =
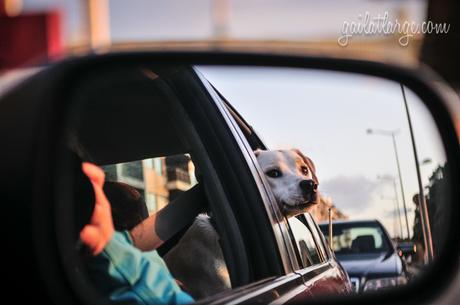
x=144 y=173
x=305 y=243
x=158 y=180
x=358 y=239
x=133 y=170
x=371 y=148
x=316 y=233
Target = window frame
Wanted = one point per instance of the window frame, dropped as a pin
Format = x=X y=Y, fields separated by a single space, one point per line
x=318 y=235
x=252 y=141
x=218 y=199
x=296 y=242
x=279 y=224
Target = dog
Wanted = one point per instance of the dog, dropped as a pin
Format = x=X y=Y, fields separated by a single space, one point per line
x=292 y=178
x=197 y=260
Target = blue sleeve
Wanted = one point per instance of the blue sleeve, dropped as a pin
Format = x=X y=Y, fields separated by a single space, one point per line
x=131 y=276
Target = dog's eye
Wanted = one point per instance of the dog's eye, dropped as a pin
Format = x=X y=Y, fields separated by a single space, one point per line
x=273 y=173
x=304 y=170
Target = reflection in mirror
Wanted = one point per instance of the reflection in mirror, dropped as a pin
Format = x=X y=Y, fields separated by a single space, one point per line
x=368 y=159
x=174 y=212
x=128 y=127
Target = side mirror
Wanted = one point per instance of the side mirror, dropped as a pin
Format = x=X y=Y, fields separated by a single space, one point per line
x=348 y=115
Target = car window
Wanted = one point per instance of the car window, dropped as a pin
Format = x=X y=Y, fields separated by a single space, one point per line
x=359 y=239
x=305 y=243
x=159 y=180
x=316 y=233
x=147 y=161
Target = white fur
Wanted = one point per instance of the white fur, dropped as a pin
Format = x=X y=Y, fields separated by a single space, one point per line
x=285 y=188
x=197 y=260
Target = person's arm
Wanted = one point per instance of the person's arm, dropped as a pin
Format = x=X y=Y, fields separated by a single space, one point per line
x=125 y=273
x=131 y=276
x=161 y=226
x=144 y=235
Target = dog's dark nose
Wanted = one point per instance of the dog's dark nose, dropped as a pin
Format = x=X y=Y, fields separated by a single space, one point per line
x=308 y=186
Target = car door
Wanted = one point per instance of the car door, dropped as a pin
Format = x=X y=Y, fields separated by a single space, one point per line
x=322 y=272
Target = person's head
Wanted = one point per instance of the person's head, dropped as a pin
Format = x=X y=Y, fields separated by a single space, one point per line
x=128 y=207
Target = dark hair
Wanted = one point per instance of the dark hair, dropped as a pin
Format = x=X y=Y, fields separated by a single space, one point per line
x=128 y=206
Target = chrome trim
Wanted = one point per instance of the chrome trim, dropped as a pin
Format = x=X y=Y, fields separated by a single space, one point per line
x=329 y=269
x=267 y=288
x=310 y=269
x=289 y=295
x=317 y=236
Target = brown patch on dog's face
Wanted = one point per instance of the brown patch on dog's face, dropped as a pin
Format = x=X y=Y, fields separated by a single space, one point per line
x=292 y=177
x=310 y=164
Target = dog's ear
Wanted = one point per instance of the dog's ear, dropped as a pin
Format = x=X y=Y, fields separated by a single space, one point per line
x=309 y=163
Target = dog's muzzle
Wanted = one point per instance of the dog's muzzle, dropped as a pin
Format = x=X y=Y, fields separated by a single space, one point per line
x=309 y=189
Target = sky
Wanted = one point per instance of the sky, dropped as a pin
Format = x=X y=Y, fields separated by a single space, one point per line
x=141 y=20
x=326 y=114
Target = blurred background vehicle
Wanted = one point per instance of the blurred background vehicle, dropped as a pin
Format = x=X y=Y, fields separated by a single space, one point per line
x=365 y=250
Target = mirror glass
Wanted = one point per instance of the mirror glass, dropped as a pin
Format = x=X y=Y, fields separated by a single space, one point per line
x=367 y=153
x=355 y=128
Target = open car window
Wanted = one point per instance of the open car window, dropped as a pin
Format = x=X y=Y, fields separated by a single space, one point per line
x=144 y=128
x=159 y=180
x=134 y=128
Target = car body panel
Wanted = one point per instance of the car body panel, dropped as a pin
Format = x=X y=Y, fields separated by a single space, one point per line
x=372 y=266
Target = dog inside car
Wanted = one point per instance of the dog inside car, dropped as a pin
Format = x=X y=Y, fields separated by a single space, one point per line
x=197 y=260
x=292 y=178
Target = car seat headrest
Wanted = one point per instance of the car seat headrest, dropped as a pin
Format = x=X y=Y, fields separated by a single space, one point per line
x=128 y=206
x=364 y=243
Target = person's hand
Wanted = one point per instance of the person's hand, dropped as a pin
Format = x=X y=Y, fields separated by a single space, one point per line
x=99 y=231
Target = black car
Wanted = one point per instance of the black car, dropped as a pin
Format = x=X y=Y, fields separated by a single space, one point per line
x=365 y=250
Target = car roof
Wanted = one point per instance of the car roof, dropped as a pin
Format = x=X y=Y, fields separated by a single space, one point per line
x=132 y=106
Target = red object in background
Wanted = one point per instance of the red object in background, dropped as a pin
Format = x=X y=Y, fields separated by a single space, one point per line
x=29 y=39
